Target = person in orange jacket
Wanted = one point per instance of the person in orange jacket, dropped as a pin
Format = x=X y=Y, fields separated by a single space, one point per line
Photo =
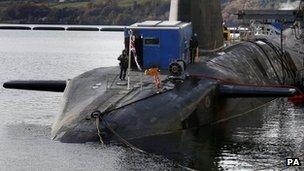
x=154 y=72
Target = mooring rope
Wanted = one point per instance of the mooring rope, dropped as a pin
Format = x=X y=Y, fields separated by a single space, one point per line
x=124 y=141
x=98 y=131
x=132 y=147
x=241 y=114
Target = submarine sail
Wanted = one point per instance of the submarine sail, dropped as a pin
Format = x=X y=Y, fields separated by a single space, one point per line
x=206 y=18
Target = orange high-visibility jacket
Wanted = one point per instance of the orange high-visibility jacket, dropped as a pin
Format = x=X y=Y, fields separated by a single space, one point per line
x=152 y=72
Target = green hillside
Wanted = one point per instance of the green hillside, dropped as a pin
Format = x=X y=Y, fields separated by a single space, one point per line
x=102 y=12
x=83 y=12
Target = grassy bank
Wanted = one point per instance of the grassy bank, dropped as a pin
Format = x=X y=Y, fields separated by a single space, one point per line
x=83 y=12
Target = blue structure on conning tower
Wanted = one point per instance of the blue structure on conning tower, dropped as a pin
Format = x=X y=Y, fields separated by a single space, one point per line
x=158 y=43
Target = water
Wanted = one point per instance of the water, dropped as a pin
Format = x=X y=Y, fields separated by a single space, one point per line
x=290 y=5
x=258 y=140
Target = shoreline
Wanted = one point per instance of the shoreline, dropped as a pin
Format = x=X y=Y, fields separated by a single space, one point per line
x=61 y=27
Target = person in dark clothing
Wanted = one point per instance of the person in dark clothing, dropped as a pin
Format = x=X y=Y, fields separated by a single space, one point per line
x=123 y=58
x=193 y=48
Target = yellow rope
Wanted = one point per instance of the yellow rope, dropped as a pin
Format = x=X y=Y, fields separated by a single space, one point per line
x=115 y=133
x=241 y=114
x=122 y=139
x=98 y=131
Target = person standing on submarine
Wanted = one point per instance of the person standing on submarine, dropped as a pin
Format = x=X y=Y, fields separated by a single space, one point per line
x=193 y=48
x=123 y=58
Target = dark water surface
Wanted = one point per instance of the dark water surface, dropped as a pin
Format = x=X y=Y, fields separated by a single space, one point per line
x=260 y=140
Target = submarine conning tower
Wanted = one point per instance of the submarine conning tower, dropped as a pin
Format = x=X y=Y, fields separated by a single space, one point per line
x=206 y=19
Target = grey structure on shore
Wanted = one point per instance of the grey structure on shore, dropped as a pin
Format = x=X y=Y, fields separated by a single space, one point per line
x=206 y=18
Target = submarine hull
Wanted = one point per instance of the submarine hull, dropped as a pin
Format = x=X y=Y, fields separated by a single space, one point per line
x=184 y=104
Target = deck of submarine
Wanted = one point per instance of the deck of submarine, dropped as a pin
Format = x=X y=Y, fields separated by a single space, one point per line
x=102 y=89
x=97 y=90
x=141 y=86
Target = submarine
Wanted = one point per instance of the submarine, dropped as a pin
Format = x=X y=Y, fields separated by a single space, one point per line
x=223 y=84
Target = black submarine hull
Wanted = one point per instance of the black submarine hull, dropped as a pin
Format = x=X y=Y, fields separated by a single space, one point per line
x=193 y=102
x=198 y=100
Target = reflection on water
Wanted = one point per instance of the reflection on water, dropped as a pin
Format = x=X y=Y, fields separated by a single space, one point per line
x=259 y=140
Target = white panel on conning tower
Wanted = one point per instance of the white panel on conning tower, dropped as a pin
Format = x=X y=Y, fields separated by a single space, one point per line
x=169 y=23
x=174 y=10
x=148 y=24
